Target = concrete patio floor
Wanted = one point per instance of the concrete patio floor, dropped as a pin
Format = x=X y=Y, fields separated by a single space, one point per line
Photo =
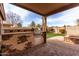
x=52 y=48
x=58 y=38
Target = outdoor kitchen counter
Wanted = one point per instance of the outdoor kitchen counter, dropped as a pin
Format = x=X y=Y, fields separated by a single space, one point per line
x=17 y=39
x=7 y=31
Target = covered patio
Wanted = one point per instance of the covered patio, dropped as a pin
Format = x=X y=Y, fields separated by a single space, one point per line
x=44 y=48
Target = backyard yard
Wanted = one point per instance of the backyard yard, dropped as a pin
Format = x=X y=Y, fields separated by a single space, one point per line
x=49 y=35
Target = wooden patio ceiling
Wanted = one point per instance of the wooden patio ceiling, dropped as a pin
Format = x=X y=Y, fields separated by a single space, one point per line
x=46 y=9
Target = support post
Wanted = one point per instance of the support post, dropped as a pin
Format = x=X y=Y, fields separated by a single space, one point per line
x=2 y=17
x=0 y=35
x=44 y=25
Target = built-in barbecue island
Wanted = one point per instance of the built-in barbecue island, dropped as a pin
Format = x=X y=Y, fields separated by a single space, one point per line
x=16 y=39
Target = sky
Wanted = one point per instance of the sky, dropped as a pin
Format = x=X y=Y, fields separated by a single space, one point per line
x=68 y=17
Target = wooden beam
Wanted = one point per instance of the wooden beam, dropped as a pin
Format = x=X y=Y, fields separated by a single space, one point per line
x=72 y=5
x=27 y=8
x=2 y=12
x=44 y=25
x=2 y=17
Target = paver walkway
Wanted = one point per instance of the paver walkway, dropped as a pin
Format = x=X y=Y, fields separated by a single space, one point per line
x=52 y=48
x=58 y=38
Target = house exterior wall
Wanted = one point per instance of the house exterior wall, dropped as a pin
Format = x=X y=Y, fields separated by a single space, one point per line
x=72 y=34
x=55 y=30
x=72 y=30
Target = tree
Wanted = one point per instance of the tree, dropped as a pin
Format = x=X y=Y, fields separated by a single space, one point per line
x=19 y=25
x=13 y=18
x=63 y=31
x=38 y=25
x=32 y=24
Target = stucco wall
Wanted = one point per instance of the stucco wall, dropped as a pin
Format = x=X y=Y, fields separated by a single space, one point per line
x=73 y=30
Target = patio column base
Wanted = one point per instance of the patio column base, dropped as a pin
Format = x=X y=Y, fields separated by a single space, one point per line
x=44 y=36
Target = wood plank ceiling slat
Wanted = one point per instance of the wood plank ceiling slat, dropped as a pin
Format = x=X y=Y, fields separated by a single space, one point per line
x=46 y=9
